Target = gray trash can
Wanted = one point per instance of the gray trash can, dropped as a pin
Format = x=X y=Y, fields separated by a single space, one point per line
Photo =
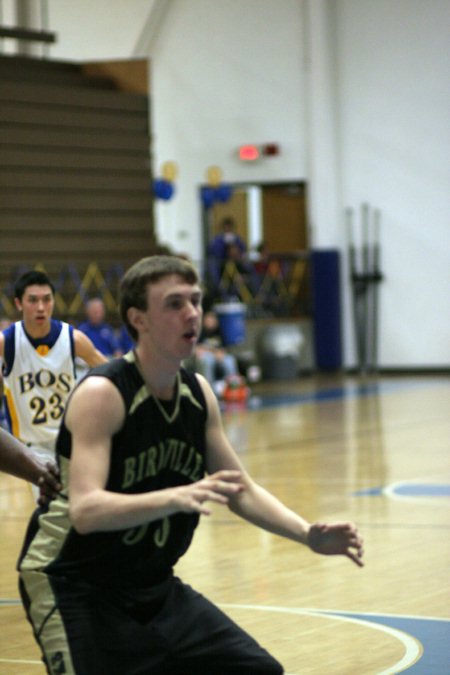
x=279 y=349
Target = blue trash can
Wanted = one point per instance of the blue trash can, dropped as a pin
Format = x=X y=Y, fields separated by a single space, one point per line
x=231 y=317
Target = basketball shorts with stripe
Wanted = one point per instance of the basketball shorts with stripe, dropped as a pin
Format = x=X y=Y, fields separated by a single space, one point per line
x=170 y=629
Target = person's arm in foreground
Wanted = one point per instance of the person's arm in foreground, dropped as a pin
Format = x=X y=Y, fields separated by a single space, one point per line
x=94 y=414
x=17 y=460
x=261 y=508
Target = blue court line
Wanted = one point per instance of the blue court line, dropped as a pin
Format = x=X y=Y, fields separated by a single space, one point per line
x=420 y=490
x=260 y=401
x=426 y=639
x=370 y=492
x=277 y=400
x=409 y=490
x=433 y=634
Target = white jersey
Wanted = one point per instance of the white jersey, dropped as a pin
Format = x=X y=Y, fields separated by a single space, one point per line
x=38 y=380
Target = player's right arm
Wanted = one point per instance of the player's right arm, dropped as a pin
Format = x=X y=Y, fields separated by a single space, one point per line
x=18 y=460
x=258 y=506
x=94 y=414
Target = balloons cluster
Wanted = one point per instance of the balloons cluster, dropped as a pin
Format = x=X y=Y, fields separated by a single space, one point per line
x=210 y=195
x=215 y=191
x=163 y=188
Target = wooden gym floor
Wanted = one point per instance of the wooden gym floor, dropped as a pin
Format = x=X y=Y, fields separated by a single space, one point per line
x=376 y=451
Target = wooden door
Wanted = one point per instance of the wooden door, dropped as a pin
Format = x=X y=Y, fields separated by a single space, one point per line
x=284 y=218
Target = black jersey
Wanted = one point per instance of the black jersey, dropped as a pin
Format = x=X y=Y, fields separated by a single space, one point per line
x=160 y=445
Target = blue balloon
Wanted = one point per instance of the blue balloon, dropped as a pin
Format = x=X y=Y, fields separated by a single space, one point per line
x=169 y=191
x=207 y=196
x=163 y=189
x=224 y=192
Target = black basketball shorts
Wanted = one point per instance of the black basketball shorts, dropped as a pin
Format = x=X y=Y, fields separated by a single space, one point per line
x=169 y=630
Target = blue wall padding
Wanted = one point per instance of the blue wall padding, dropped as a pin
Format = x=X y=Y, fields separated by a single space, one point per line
x=327 y=320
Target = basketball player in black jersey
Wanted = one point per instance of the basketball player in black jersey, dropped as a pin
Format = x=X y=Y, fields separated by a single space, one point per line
x=141 y=453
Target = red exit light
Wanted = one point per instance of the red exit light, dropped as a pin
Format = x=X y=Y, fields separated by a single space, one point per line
x=248 y=153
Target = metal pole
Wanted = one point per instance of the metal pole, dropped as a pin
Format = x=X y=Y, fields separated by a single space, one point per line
x=364 y=300
x=376 y=278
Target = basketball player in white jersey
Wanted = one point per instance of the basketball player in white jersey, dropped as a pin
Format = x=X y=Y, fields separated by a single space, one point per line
x=38 y=364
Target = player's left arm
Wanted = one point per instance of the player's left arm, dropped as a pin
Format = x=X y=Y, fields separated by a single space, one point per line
x=263 y=509
x=85 y=349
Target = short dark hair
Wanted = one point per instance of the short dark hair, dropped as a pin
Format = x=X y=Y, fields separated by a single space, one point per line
x=228 y=221
x=32 y=278
x=133 y=287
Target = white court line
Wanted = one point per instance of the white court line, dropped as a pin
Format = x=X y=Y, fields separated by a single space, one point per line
x=413 y=617
x=413 y=648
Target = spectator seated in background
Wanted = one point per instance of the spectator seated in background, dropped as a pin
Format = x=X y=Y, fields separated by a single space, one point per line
x=124 y=340
x=211 y=359
x=241 y=273
x=100 y=332
x=219 y=250
x=261 y=260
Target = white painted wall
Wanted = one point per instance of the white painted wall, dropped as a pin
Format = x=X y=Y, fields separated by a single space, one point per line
x=394 y=112
x=222 y=77
x=355 y=92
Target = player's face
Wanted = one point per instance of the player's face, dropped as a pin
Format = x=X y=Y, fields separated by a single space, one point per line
x=173 y=318
x=37 y=308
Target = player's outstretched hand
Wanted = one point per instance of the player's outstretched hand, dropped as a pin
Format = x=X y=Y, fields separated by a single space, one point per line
x=337 y=539
x=48 y=482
